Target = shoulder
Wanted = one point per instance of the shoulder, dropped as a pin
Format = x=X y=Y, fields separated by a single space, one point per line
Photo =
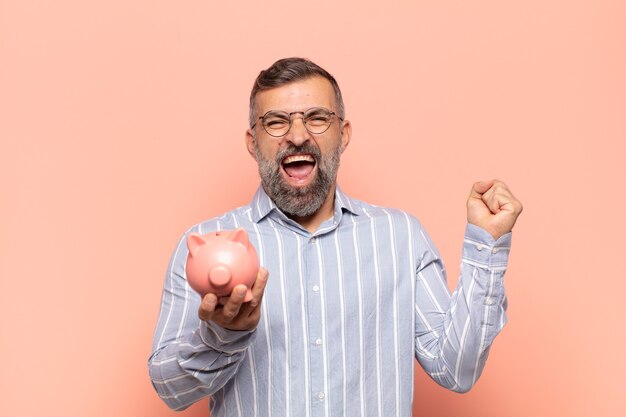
x=394 y=225
x=233 y=219
x=371 y=212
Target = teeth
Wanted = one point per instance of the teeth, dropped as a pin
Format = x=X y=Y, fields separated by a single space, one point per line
x=298 y=158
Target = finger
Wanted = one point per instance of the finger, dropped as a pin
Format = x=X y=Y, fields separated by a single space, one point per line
x=502 y=199
x=492 y=202
x=259 y=287
x=507 y=200
x=479 y=188
x=489 y=198
x=499 y=183
x=207 y=307
x=251 y=308
x=232 y=306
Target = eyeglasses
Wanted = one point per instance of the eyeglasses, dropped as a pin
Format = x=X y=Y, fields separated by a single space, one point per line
x=316 y=121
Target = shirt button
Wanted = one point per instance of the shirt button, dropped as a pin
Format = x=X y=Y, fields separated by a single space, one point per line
x=479 y=246
x=490 y=301
x=312 y=240
x=316 y=288
x=318 y=341
x=495 y=250
x=321 y=396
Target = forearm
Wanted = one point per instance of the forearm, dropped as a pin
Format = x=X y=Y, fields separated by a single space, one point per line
x=190 y=358
x=455 y=350
x=187 y=370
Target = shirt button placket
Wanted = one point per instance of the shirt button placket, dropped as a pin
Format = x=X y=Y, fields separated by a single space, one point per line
x=315 y=325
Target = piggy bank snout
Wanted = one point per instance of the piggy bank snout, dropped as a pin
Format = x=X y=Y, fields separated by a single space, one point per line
x=219 y=275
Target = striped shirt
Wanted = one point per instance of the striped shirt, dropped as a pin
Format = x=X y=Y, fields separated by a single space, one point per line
x=345 y=312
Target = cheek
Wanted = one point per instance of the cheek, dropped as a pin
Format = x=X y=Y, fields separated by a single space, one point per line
x=328 y=147
x=267 y=153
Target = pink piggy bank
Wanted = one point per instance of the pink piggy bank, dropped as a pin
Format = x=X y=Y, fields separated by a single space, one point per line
x=219 y=261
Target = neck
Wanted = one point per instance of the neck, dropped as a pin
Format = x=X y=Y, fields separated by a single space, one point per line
x=313 y=221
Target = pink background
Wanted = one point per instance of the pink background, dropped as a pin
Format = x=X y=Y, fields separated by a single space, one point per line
x=122 y=123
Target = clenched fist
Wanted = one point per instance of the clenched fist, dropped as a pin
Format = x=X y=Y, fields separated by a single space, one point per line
x=492 y=206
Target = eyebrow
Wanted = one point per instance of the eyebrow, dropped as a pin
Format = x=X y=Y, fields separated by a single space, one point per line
x=278 y=113
x=314 y=110
x=308 y=112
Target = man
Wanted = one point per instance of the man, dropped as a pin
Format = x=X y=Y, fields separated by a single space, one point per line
x=356 y=291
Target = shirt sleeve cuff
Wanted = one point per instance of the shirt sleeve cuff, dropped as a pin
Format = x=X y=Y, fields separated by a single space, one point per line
x=483 y=251
x=225 y=340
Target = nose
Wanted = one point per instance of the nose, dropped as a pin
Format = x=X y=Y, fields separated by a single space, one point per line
x=298 y=133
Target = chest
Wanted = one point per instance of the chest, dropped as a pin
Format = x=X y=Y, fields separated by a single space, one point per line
x=355 y=277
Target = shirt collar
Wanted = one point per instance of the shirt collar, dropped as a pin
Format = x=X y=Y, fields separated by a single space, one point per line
x=262 y=205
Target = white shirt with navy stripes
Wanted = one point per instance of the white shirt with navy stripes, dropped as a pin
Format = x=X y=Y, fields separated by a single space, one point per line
x=345 y=312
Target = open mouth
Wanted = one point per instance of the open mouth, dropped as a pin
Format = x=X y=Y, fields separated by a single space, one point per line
x=299 y=166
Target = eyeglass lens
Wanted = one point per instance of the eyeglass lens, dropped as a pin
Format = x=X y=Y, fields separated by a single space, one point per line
x=316 y=120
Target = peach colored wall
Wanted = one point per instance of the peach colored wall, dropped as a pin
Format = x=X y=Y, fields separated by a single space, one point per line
x=121 y=124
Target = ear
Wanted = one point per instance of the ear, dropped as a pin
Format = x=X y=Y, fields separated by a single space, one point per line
x=240 y=236
x=194 y=241
x=250 y=140
x=346 y=134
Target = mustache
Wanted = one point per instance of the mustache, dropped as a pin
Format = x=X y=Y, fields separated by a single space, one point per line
x=295 y=150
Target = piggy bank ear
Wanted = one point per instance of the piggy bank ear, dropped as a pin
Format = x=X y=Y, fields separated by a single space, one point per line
x=194 y=241
x=240 y=236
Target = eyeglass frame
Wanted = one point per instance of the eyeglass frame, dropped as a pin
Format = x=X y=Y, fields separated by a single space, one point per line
x=331 y=113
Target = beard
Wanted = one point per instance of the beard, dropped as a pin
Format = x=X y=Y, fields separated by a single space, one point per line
x=300 y=201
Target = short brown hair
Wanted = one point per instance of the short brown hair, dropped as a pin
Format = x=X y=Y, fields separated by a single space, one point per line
x=289 y=70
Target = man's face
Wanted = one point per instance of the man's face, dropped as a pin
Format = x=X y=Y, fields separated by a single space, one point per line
x=298 y=170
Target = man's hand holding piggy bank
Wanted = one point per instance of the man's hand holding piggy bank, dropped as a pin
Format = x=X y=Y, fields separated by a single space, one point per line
x=223 y=268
